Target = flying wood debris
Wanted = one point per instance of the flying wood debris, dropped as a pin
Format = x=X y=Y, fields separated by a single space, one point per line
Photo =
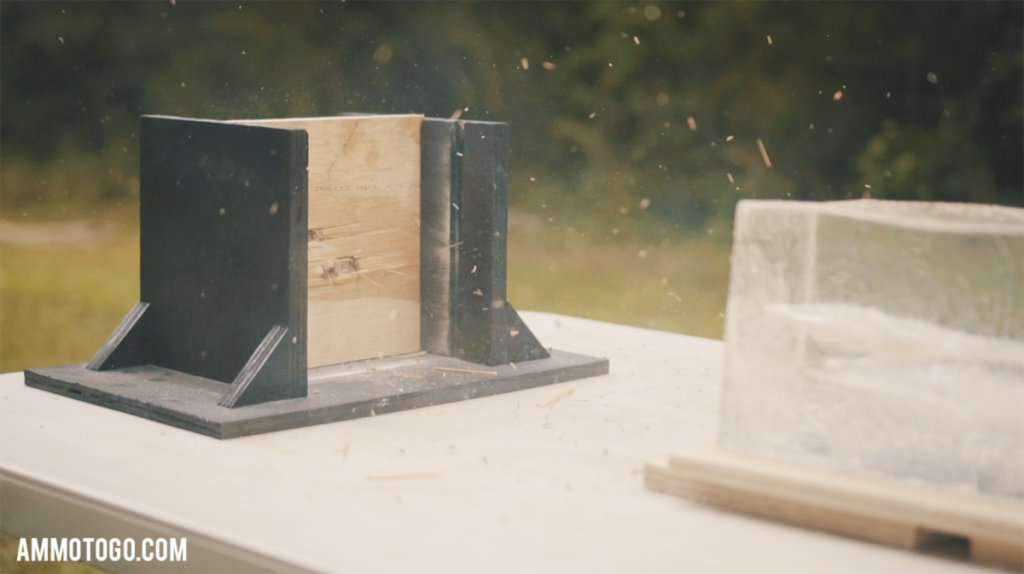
x=764 y=153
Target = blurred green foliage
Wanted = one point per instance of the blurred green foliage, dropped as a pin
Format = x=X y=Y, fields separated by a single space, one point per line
x=610 y=102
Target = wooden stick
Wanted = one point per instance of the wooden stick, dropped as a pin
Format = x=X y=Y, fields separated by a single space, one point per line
x=559 y=397
x=466 y=371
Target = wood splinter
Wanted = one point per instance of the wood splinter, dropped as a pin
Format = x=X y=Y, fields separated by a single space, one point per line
x=466 y=371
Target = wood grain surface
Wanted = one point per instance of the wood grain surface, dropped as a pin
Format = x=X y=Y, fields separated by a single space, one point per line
x=364 y=236
x=888 y=512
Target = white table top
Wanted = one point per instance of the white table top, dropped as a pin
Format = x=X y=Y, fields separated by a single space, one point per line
x=510 y=483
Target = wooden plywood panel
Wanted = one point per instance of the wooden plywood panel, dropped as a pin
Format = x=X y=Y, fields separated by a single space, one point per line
x=364 y=236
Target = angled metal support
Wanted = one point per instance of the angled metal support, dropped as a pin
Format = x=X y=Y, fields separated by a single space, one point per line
x=130 y=345
x=263 y=377
x=520 y=343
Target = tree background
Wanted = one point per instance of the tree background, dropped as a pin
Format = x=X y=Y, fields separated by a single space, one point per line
x=634 y=126
x=610 y=103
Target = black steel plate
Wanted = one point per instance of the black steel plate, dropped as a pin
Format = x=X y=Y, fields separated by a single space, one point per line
x=342 y=392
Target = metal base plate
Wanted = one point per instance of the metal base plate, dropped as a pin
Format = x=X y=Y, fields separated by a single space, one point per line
x=336 y=393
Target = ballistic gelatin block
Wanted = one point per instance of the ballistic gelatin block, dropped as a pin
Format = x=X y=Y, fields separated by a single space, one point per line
x=879 y=337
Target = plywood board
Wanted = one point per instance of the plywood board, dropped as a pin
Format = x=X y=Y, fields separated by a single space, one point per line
x=364 y=236
x=894 y=513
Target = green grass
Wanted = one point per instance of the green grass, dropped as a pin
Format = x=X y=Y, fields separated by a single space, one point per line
x=672 y=286
x=59 y=303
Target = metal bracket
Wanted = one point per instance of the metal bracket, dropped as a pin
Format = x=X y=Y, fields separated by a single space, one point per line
x=222 y=322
